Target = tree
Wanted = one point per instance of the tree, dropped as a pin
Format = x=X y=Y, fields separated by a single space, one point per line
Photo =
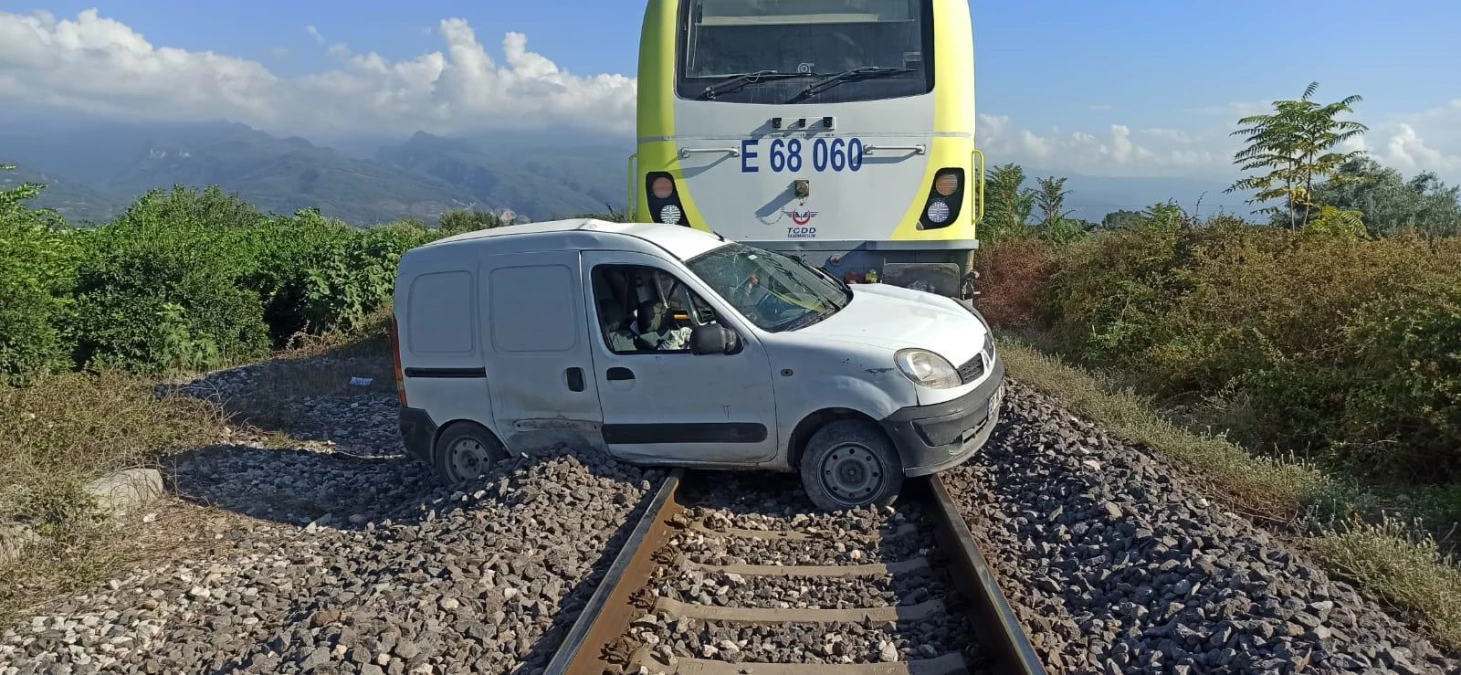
x=463 y=220
x=1294 y=145
x=1120 y=220
x=1010 y=204
x=1389 y=203
x=1050 y=199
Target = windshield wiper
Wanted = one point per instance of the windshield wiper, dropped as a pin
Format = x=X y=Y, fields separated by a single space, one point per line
x=863 y=73
x=737 y=81
x=810 y=318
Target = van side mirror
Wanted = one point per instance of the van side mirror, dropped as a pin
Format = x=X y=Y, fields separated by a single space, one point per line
x=714 y=339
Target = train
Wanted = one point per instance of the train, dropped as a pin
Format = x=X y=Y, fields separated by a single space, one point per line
x=837 y=131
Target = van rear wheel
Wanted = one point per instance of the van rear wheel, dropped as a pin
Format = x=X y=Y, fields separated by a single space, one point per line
x=466 y=451
x=851 y=463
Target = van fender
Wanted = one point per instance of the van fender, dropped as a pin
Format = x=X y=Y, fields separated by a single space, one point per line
x=818 y=400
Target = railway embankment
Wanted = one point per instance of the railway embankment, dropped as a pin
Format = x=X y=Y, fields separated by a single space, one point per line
x=314 y=546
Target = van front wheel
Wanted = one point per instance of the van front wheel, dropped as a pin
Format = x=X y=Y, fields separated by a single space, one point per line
x=851 y=463
x=466 y=451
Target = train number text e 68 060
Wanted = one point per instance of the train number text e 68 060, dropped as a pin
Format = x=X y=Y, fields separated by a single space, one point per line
x=792 y=155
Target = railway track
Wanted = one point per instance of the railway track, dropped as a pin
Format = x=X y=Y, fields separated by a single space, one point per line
x=725 y=575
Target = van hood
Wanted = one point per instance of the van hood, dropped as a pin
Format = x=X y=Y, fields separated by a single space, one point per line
x=896 y=318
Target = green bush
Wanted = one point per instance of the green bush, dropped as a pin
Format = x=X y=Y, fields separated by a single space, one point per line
x=37 y=270
x=160 y=287
x=1341 y=348
x=315 y=275
x=1404 y=405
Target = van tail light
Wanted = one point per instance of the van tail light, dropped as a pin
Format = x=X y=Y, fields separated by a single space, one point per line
x=945 y=200
x=396 y=355
x=664 y=199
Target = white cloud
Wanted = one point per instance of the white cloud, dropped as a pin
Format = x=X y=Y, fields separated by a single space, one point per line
x=95 y=64
x=99 y=65
x=1113 y=151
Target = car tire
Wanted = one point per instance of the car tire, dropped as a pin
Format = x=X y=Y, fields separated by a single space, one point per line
x=851 y=463
x=465 y=451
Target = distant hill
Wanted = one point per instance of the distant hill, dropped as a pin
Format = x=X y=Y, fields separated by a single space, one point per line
x=74 y=201
x=536 y=176
x=95 y=168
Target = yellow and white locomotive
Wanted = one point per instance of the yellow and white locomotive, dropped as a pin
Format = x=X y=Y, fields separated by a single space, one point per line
x=839 y=131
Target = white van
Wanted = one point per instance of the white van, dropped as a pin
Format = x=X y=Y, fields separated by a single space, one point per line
x=667 y=345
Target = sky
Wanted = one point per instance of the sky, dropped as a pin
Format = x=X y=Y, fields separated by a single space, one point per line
x=1118 y=88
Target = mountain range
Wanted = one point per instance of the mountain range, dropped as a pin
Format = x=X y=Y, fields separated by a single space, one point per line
x=93 y=169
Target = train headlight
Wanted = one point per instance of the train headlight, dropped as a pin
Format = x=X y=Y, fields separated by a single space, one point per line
x=663 y=196
x=946 y=184
x=938 y=212
x=945 y=199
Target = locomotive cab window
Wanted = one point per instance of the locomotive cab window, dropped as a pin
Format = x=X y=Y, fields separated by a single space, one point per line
x=777 y=51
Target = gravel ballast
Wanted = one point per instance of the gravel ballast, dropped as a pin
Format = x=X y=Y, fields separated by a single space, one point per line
x=863 y=642
x=1116 y=564
x=352 y=561
x=726 y=589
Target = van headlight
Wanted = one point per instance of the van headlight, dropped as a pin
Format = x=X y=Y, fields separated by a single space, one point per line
x=927 y=368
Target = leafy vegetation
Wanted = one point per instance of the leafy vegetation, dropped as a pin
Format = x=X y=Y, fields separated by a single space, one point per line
x=185 y=279
x=1294 y=144
x=1324 y=343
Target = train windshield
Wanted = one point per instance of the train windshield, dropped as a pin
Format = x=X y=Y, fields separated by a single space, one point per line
x=788 y=51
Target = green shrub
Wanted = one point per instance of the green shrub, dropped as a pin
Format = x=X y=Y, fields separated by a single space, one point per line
x=160 y=288
x=317 y=275
x=37 y=270
x=1011 y=274
x=1403 y=405
x=1341 y=348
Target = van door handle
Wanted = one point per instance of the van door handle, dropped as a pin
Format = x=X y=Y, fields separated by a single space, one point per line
x=575 y=379
x=616 y=374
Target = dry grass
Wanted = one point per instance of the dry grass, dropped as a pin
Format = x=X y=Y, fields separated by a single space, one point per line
x=1408 y=571
x=1264 y=487
x=1400 y=565
x=64 y=431
x=58 y=435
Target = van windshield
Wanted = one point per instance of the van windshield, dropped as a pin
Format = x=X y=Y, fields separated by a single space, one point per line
x=773 y=291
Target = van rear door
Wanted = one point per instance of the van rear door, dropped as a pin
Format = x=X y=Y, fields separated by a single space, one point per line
x=534 y=336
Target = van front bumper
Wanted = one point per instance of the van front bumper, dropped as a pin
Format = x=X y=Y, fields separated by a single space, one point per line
x=931 y=438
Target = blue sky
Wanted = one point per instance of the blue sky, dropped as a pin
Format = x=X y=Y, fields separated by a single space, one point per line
x=1133 y=88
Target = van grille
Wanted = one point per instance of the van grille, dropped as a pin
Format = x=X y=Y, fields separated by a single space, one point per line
x=972 y=369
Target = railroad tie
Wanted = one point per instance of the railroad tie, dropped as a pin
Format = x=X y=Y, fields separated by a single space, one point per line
x=948 y=664
x=918 y=612
x=916 y=564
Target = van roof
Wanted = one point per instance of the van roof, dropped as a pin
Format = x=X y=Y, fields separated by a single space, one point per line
x=682 y=242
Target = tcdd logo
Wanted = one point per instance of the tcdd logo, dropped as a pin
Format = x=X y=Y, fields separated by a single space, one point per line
x=801 y=233
x=801 y=216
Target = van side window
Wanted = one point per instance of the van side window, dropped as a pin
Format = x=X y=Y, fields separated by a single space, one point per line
x=441 y=318
x=521 y=322
x=644 y=309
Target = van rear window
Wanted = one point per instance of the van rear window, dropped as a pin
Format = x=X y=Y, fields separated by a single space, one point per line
x=522 y=321
x=441 y=314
